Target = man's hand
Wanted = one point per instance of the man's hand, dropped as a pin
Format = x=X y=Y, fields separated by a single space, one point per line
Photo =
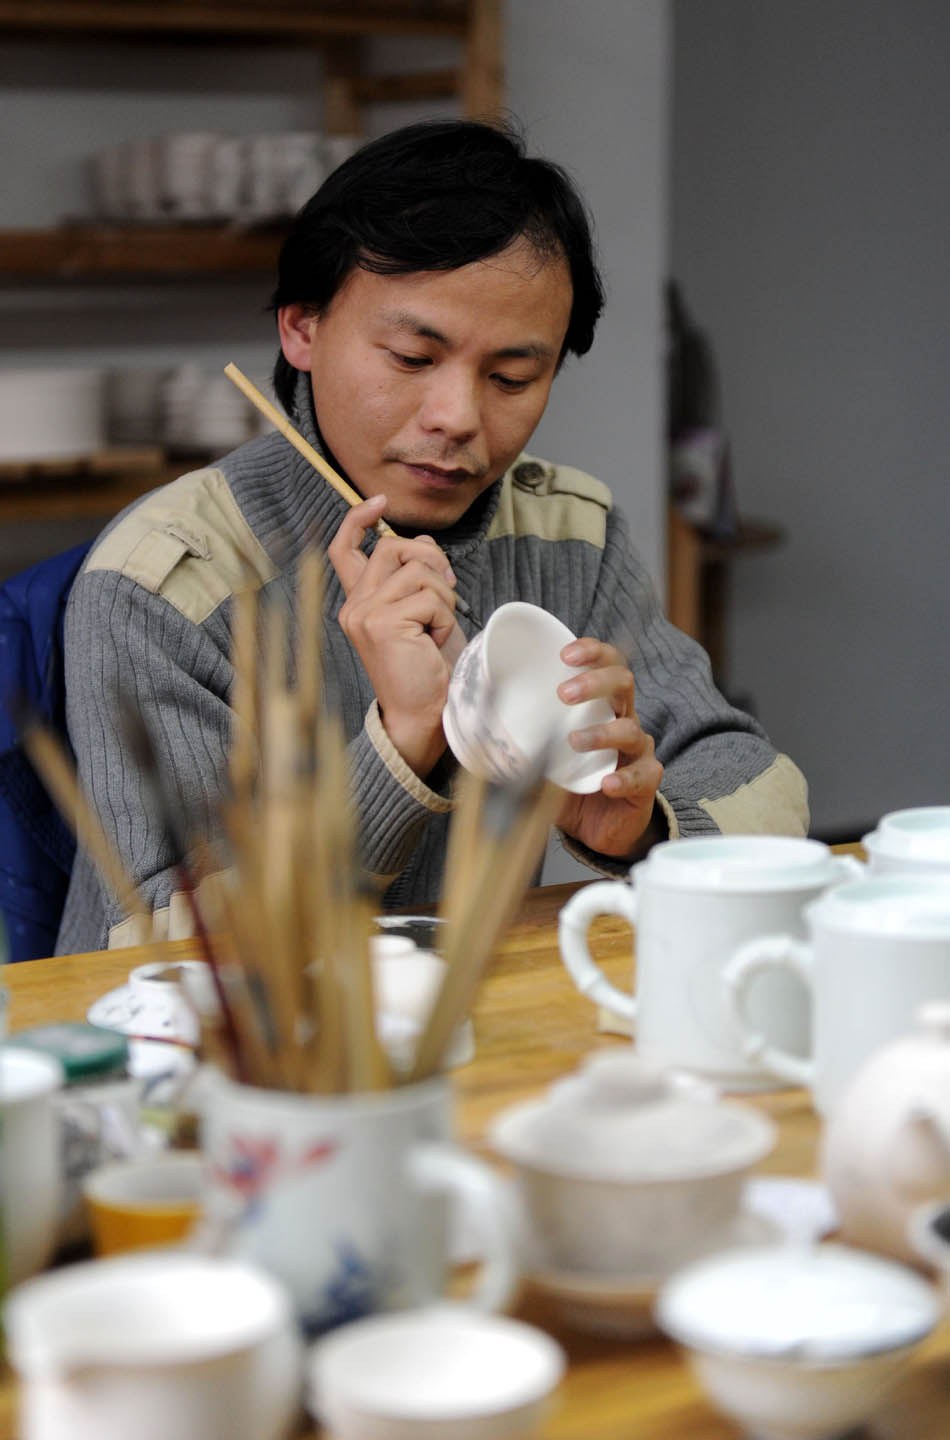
x=614 y=821
x=399 y=614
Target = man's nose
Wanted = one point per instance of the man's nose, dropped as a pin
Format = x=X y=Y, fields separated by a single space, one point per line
x=451 y=404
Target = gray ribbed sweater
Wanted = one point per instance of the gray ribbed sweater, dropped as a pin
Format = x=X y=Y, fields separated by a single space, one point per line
x=150 y=616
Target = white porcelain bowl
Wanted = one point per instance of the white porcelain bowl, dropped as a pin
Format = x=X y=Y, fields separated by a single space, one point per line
x=797 y=1342
x=503 y=713
x=442 y=1373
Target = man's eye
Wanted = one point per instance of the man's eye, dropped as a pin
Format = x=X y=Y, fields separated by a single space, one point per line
x=411 y=362
x=508 y=382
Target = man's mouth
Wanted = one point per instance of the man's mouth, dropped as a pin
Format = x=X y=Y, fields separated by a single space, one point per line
x=439 y=475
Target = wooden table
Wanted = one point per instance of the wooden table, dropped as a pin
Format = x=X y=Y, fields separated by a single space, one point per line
x=531 y=1027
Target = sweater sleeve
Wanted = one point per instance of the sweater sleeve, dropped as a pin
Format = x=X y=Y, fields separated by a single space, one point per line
x=721 y=771
x=124 y=642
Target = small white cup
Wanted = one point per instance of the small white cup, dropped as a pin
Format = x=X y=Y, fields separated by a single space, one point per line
x=879 y=949
x=155 y=1345
x=343 y=1197
x=913 y=841
x=694 y=902
x=30 y=1177
x=503 y=712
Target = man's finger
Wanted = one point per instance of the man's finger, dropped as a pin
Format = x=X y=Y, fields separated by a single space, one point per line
x=344 y=551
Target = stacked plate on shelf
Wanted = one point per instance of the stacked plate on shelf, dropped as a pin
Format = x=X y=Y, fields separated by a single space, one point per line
x=51 y=414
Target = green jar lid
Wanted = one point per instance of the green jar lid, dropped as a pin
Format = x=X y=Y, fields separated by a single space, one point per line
x=86 y=1052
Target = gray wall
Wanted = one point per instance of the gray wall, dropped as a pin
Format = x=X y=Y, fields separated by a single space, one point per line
x=811 y=214
x=588 y=79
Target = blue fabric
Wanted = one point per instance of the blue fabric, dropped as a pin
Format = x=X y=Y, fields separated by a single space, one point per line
x=36 y=846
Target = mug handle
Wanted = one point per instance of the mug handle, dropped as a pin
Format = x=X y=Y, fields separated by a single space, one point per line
x=850 y=866
x=768 y=952
x=433 y=1166
x=604 y=897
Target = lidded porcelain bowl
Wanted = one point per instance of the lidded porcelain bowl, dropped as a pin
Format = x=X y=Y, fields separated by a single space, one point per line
x=626 y=1170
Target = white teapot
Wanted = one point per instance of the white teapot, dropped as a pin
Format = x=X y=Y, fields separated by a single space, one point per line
x=886 y=1146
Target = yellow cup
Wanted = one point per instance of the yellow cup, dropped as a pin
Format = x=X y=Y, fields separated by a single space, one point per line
x=142 y=1203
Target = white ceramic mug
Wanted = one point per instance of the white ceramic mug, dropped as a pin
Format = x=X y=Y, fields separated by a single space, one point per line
x=503 y=712
x=158 y=1345
x=913 y=841
x=343 y=1197
x=30 y=1176
x=693 y=902
x=879 y=949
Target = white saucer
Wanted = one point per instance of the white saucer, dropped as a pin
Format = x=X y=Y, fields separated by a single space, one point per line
x=150 y=1008
x=622 y=1307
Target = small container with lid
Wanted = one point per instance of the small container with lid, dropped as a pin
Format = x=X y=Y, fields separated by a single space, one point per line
x=626 y=1170
x=98 y=1106
x=915 y=840
x=797 y=1342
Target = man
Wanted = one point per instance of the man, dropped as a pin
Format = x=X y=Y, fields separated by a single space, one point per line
x=427 y=296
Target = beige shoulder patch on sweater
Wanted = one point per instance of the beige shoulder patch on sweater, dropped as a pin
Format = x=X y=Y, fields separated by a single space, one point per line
x=189 y=543
x=774 y=803
x=553 y=502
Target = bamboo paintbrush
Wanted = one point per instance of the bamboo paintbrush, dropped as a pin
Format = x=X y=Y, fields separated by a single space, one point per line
x=351 y=496
x=513 y=824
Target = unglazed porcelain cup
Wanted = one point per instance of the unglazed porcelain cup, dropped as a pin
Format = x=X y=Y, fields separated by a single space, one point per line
x=345 y=1197
x=503 y=712
x=913 y=841
x=693 y=903
x=155 y=1345
x=878 y=950
x=30 y=1172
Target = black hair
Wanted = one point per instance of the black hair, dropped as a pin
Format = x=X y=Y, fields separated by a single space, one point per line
x=436 y=196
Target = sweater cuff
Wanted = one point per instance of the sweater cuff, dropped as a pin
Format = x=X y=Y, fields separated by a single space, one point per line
x=607 y=865
x=394 y=804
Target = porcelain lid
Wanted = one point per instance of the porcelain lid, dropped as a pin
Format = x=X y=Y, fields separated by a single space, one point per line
x=740 y=863
x=899 y=904
x=918 y=834
x=620 y=1119
x=822 y=1303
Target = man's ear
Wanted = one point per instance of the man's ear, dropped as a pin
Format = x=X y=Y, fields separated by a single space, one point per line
x=294 y=324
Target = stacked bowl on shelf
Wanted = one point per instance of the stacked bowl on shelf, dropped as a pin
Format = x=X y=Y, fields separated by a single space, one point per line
x=205 y=176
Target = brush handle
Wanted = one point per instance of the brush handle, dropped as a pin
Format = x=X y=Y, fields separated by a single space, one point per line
x=248 y=389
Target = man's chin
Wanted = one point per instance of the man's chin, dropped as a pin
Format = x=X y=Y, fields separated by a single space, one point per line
x=426 y=518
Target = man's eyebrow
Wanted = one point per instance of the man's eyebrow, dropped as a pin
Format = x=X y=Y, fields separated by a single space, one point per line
x=413 y=325
x=405 y=320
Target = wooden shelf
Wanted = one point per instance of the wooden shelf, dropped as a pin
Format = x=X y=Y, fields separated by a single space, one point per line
x=105 y=252
x=95 y=489
x=306 y=19
x=698 y=579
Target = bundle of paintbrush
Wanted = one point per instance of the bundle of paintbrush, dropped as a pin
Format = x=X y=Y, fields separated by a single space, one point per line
x=285 y=918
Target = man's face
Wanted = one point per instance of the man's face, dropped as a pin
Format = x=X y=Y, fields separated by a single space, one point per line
x=428 y=385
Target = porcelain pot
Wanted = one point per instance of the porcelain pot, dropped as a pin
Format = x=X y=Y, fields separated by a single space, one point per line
x=886 y=1146
x=625 y=1170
